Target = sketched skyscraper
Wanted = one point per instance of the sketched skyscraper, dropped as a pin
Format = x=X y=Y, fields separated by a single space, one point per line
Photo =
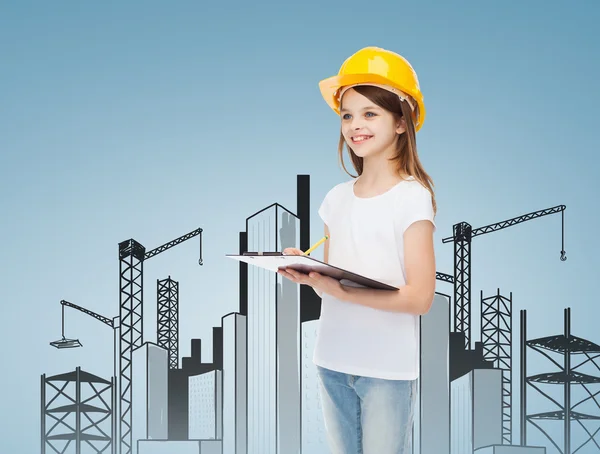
x=476 y=410
x=432 y=414
x=234 y=383
x=273 y=330
x=205 y=404
x=150 y=366
x=314 y=437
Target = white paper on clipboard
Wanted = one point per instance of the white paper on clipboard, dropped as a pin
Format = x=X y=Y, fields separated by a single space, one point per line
x=306 y=264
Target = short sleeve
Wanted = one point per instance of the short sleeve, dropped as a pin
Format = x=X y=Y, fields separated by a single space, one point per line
x=418 y=207
x=330 y=201
x=324 y=209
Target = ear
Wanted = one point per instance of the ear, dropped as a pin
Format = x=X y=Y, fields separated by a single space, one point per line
x=401 y=126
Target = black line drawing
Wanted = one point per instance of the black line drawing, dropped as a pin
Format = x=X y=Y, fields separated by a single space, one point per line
x=90 y=404
x=463 y=234
x=474 y=374
x=258 y=395
x=132 y=256
x=496 y=336
x=179 y=386
x=74 y=343
x=569 y=376
x=433 y=409
x=273 y=337
x=167 y=331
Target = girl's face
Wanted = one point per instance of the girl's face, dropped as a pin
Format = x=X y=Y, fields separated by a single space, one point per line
x=367 y=128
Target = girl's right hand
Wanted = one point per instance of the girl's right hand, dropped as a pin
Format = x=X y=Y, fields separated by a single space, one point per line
x=284 y=273
x=292 y=251
x=298 y=278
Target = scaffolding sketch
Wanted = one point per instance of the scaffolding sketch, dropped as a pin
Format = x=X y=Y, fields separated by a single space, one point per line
x=77 y=408
x=167 y=291
x=496 y=336
x=568 y=377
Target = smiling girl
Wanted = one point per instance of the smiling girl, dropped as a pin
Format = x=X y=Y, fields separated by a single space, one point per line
x=380 y=224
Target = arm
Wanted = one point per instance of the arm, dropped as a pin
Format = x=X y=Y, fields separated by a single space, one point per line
x=417 y=295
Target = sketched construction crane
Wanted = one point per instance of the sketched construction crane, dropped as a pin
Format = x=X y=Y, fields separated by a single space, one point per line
x=74 y=343
x=463 y=234
x=131 y=260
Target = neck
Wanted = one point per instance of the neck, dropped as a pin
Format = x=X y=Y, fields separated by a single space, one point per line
x=378 y=170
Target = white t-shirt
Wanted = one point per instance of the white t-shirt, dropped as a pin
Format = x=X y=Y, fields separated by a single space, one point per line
x=366 y=237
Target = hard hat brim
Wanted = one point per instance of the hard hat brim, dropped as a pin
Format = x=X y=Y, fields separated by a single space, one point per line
x=330 y=86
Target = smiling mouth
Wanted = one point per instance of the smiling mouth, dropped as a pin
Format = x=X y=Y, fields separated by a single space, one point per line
x=360 y=139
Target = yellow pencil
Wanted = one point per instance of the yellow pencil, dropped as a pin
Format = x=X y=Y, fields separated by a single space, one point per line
x=317 y=244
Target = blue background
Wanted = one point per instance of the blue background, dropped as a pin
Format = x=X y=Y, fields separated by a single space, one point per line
x=146 y=120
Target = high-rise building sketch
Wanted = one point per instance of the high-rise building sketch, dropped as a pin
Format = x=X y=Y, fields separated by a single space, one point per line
x=476 y=403
x=234 y=384
x=179 y=384
x=150 y=409
x=314 y=440
x=205 y=406
x=273 y=333
x=432 y=415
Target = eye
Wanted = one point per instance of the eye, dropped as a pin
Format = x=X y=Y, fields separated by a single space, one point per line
x=346 y=116
x=371 y=113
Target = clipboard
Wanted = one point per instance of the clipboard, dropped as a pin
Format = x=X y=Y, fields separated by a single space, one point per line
x=273 y=261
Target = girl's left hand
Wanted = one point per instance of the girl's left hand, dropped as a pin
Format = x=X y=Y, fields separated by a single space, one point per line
x=317 y=281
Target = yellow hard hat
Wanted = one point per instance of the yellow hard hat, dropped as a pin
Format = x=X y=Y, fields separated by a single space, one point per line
x=380 y=67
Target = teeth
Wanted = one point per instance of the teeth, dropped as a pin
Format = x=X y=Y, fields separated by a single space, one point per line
x=360 y=138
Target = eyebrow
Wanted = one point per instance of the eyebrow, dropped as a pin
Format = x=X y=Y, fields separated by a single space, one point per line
x=364 y=108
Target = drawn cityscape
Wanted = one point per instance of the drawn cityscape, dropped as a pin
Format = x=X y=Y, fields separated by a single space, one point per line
x=259 y=394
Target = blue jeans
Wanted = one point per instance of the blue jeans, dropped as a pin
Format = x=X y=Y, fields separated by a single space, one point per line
x=366 y=415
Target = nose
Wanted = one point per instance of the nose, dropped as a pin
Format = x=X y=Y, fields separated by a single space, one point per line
x=356 y=123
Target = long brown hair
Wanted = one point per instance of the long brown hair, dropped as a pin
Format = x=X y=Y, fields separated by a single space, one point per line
x=406 y=157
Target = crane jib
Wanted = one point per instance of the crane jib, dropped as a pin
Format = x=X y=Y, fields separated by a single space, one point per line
x=510 y=222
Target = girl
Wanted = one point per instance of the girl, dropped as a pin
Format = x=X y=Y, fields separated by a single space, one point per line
x=380 y=225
